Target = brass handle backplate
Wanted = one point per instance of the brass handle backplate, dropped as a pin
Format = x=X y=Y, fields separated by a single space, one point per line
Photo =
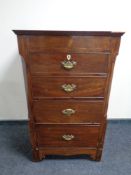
x=68 y=87
x=68 y=64
x=68 y=112
x=68 y=137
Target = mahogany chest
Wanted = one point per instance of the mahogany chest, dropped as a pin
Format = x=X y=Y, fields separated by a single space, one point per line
x=68 y=77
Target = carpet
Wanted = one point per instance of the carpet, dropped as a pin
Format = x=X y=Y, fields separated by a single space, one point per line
x=15 y=154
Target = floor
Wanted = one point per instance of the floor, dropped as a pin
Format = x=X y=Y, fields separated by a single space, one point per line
x=15 y=154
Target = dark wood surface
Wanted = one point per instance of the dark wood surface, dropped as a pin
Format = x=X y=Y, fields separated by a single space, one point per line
x=46 y=111
x=85 y=87
x=68 y=44
x=51 y=135
x=51 y=64
x=58 y=33
x=42 y=53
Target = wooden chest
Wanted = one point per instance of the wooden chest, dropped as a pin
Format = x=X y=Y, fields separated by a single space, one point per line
x=68 y=78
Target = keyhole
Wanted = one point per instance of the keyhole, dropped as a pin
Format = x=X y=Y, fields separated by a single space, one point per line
x=68 y=57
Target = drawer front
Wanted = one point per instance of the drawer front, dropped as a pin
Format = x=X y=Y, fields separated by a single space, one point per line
x=68 y=111
x=62 y=63
x=67 y=135
x=79 y=44
x=68 y=86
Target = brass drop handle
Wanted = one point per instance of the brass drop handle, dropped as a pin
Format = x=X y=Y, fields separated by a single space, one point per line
x=68 y=112
x=68 y=137
x=68 y=87
x=68 y=64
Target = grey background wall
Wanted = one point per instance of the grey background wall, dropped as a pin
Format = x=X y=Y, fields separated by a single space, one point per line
x=61 y=15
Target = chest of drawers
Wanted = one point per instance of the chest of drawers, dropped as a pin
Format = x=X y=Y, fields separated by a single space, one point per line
x=67 y=78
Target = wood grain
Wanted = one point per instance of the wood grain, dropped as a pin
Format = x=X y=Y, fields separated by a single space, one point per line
x=50 y=64
x=51 y=135
x=50 y=111
x=52 y=86
x=42 y=53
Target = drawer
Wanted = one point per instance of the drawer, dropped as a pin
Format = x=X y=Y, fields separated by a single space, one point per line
x=68 y=87
x=67 y=135
x=79 y=44
x=68 y=64
x=68 y=111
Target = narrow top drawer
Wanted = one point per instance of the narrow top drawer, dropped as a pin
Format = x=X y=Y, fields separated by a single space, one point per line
x=79 y=44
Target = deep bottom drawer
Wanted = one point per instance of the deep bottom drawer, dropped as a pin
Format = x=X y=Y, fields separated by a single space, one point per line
x=67 y=135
